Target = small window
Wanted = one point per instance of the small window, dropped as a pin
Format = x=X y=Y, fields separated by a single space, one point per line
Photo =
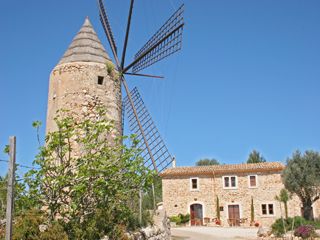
x=194 y=184
x=226 y=182
x=230 y=182
x=264 y=209
x=233 y=181
x=252 y=181
x=267 y=209
x=100 y=80
x=270 y=206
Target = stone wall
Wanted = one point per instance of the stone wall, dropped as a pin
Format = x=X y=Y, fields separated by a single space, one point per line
x=159 y=231
x=178 y=196
x=316 y=209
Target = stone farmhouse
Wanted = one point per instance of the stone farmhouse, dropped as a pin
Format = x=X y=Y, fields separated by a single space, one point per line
x=195 y=190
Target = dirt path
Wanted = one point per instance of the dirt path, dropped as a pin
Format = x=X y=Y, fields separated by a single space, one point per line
x=213 y=233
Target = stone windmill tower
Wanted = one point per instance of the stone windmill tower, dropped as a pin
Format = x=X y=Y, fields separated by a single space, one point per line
x=83 y=78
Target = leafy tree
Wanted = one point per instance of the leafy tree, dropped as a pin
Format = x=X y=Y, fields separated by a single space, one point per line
x=302 y=177
x=21 y=199
x=284 y=197
x=153 y=195
x=6 y=149
x=207 y=162
x=3 y=196
x=87 y=177
x=255 y=157
x=3 y=189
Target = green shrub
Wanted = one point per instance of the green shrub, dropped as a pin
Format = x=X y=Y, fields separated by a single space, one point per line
x=175 y=219
x=281 y=225
x=299 y=221
x=278 y=228
x=54 y=232
x=147 y=218
x=316 y=224
x=110 y=67
x=184 y=218
x=180 y=219
x=27 y=224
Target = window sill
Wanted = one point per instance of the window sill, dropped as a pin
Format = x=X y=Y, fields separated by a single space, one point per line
x=194 y=190
x=268 y=216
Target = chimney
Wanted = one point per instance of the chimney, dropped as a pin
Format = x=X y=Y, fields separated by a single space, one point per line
x=174 y=162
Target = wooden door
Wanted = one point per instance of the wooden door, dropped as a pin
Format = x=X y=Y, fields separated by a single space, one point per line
x=196 y=215
x=234 y=215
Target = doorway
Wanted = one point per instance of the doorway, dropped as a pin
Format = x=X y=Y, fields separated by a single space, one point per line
x=234 y=215
x=196 y=215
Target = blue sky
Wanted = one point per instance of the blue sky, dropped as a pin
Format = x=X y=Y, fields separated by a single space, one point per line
x=247 y=77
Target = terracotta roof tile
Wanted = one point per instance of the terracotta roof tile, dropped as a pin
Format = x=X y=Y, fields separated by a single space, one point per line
x=223 y=169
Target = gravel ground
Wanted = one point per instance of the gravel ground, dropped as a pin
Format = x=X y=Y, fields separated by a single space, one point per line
x=212 y=233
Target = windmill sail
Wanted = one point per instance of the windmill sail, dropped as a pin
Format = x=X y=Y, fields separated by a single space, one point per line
x=163 y=43
x=166 y=41
x=106 y=26
x=160 y=158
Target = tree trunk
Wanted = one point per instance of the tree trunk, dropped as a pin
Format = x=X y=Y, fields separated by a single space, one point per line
x=286 y=209
x=307 y=210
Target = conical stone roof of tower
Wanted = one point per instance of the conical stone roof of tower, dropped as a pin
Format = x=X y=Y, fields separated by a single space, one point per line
x=85 y=47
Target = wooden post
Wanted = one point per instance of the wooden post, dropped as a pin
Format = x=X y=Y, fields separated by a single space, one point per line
x=140 y=206
x=154 y=197
x=10 y=188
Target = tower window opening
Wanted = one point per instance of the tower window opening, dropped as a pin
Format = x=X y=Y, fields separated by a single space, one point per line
x=100 y=80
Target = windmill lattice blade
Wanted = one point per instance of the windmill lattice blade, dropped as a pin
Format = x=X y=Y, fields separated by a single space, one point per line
x=173 y=43
x=106 y=25
x=159 y=150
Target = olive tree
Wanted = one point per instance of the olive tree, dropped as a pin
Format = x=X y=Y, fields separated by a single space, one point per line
x=302 y=177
